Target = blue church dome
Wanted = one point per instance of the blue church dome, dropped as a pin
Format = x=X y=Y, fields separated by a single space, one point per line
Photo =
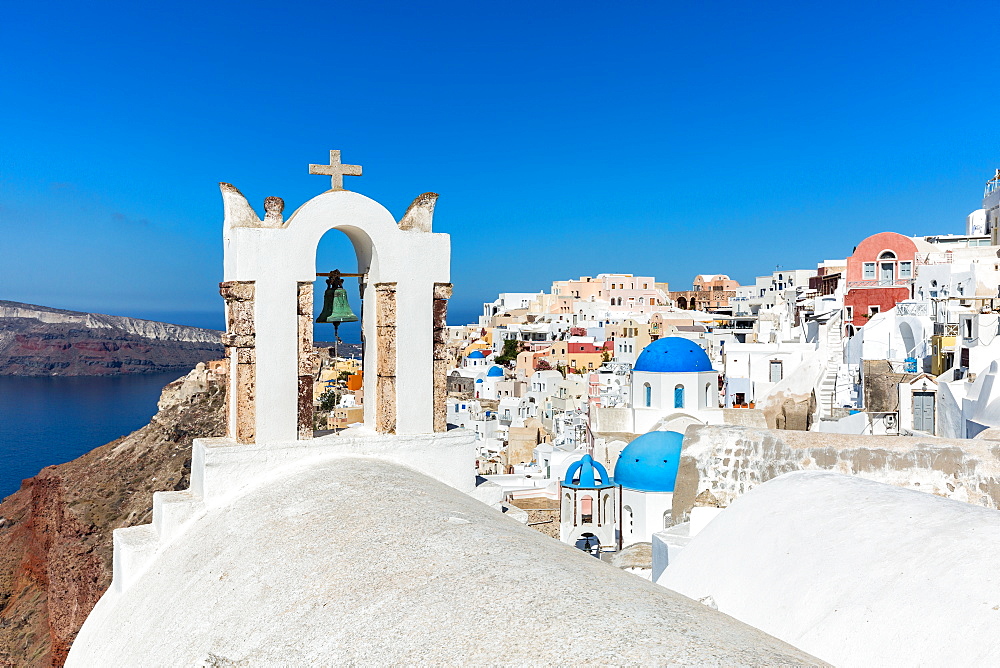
x=649 y=463
x=673 y=354
x=587 y=473
x=495 y=371
x=477 y=355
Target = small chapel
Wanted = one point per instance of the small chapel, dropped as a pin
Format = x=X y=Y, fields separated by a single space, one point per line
x=600 y=512
x=376 y=544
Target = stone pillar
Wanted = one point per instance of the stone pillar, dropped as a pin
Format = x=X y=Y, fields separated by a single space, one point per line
x=306 y=359
x=442 y=292
x=241 y=349
x=385 y=342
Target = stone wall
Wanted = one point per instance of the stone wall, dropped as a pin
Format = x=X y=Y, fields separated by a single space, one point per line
x=385 y=340
x=442 y=293
x=881 y=393
x=240 y=340
x=728 y=461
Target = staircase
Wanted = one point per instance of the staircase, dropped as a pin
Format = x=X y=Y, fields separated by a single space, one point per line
x=834 y=356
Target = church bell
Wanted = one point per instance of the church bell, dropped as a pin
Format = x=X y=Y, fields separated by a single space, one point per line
x=336 y=309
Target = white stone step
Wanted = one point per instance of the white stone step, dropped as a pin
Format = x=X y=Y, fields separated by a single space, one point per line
x=133 y=551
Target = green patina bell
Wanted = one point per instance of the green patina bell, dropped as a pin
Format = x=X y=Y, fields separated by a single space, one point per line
x=336 y=309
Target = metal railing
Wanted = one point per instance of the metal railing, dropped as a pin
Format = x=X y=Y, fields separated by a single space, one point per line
x=913 y=308
x=945 y=329
x=935 y=257
x=881 y=283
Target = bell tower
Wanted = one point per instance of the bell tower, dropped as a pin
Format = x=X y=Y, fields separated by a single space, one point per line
x=269 y=270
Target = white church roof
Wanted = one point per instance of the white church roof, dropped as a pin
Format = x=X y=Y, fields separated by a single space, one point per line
x=857 y=572
x=361 y=561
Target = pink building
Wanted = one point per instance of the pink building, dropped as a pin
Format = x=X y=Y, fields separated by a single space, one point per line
x=879 y=275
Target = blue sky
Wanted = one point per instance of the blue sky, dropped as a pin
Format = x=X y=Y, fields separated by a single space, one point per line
x=565 y=139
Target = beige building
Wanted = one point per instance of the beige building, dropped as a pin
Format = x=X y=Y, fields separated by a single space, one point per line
x=708 y=292
x=522 y=441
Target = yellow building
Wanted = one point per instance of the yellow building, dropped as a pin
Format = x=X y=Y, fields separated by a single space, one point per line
x=577 y=355
x=942 y=353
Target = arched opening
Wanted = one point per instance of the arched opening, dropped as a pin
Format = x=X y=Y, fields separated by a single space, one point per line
x=586 y=509
x=682 y=303
x=335 y=371
x=886 y=268
x=909 y=341
x=567 y=508
x=336 y=250
x=647 y=393
x=678 y=396
x=608 y=511
x=589 y=543
x=708 y=396
x=627 y=519
x=668 y=520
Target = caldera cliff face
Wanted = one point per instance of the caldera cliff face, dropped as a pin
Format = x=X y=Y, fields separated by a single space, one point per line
x=55 y=532
x=42 y=341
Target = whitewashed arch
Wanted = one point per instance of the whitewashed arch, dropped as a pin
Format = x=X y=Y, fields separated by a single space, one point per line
x=276 y=255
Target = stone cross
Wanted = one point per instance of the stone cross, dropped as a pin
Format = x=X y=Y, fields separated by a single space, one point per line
x=336 y=171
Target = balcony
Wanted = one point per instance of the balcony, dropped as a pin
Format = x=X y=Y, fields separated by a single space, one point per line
x=913 y=308
x=881 y=283
x=945 y=329
x=936 y=257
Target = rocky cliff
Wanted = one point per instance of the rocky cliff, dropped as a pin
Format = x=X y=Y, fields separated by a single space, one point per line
x=55 y=532
x=42 y=341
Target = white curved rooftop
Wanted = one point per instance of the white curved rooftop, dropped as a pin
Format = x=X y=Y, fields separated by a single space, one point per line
x=357 y=560
x=855 y=572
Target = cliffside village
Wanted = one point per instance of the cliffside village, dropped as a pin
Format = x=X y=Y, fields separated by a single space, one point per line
x=900 y=338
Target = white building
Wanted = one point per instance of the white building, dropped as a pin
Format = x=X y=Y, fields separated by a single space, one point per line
x=646 y=471
x=673 y=377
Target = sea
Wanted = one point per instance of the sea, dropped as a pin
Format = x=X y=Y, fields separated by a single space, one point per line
x=51 y=420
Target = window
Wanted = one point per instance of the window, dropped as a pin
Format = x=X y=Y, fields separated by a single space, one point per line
x=873 y=310
x=850 y=313
x=648 y=394
x=869 y=271
x=968 y=328
x=906 y=270
x=679 y=396
x=708 y=396
x=587 y=509
x=609 y=510
x=887 y=255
